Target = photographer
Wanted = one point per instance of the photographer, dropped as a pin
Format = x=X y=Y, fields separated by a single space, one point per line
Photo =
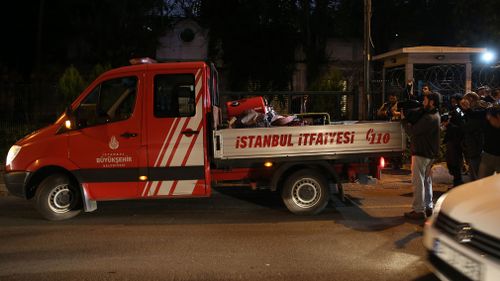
x=424 y=146
x=474 y=120
x=453 y=139
x=389 y=110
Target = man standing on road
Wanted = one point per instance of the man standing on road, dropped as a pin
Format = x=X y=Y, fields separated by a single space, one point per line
x=424 y=146
x=453 y=137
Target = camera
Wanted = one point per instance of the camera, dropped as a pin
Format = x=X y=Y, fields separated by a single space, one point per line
x=493 y=110
x=445 y=117
x=459 y=112
x=412 y=110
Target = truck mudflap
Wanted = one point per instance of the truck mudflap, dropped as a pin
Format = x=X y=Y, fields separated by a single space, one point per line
x=89 y=205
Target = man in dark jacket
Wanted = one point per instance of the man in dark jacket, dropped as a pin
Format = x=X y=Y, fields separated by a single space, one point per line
x=453 y=140
x=490 y=159
x=472 y=128
x=424 y=146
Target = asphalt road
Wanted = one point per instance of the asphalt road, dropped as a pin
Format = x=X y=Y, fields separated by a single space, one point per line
x=235 y=235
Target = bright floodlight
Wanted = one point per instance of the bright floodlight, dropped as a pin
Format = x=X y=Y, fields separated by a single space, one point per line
x=488 y=56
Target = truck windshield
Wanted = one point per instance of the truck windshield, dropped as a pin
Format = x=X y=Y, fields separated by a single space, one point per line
x=214 y=85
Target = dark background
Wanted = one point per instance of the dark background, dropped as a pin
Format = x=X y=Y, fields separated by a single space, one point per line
x=43 y=38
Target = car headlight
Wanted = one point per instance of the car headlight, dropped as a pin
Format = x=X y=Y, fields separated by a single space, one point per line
x=13 y=151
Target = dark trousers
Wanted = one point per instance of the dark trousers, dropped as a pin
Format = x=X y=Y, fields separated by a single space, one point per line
x=455 y=161
x=474 y=167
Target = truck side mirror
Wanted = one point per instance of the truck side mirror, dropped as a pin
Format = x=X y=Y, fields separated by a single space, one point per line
x=69 y=123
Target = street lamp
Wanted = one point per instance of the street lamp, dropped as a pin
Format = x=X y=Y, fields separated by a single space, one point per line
x=488 y=57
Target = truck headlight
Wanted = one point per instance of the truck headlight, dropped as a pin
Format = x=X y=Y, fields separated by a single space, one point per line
x=13 y=151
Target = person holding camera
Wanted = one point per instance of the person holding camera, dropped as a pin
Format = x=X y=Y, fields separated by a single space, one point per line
x=453 y=139
x=496 y=96
x=389 y=110
x=484 y=93
x=474 y=120
x=424 y=147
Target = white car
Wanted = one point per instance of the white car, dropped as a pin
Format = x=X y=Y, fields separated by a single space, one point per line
x=462 y=237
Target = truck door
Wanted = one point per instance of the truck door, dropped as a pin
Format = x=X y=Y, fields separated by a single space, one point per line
x=106 y=142
x=177 y=160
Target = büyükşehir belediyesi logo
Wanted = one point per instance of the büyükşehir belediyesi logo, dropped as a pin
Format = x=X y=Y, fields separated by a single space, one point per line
x=113 y=143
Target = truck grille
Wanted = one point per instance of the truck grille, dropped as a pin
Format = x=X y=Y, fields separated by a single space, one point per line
x=480 y=241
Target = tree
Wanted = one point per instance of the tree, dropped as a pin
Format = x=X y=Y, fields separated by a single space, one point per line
x=401 y=23
x=80 y=32
x=70 y=85
x=259 y=40
x=255 y=38
x=477 y=23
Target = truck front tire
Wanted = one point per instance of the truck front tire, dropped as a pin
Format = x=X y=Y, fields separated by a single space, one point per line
x=58 y=198
x=305 y=192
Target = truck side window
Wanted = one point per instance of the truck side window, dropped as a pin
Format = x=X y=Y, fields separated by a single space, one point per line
x=111 y=101
x=174 y=95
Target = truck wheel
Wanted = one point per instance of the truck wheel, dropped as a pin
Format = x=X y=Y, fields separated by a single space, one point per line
x=58 y=198
x=305 y=192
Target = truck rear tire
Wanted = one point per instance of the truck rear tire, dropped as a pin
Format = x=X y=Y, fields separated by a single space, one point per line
x=305 y=192
x=58 y=198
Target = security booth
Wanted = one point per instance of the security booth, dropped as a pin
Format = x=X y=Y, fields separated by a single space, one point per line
x=447 y=70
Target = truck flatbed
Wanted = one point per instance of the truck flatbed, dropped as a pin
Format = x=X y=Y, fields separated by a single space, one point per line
x=348 y=137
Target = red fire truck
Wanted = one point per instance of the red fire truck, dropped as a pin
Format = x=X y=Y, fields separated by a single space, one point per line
x=154 y=130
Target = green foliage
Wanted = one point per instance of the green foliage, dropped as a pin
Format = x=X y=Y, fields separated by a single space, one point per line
x=256 y=39
x=97 y=70
x=84 y=32
x=331 y=81
x=261 y=43
x=70 y=85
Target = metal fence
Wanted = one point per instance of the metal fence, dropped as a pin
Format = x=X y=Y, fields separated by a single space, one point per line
x=339 y=105
x=446 y=78
x=25 y=107
x=29 y=102
x=12 y=131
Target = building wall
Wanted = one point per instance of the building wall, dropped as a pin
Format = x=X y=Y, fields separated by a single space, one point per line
x=173 y=47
